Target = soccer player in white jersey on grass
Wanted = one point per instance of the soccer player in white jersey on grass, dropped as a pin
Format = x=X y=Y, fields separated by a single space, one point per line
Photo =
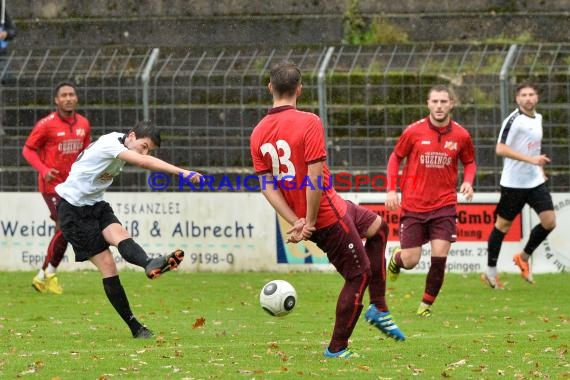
x=522 y=182
x=89 y=223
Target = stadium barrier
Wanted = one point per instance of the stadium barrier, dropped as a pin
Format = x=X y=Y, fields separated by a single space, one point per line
x=235 y=232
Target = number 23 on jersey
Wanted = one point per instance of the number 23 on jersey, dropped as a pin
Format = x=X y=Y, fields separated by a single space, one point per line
x=280 y=155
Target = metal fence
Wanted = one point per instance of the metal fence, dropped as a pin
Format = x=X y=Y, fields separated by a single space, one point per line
x=209 y=101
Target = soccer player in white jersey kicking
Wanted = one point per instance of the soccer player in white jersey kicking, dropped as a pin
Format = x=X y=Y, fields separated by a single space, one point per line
x=522 y=182
x=89 y=223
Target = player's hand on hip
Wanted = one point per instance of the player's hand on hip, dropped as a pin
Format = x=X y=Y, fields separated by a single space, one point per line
x=467 y=191
x=392 y=201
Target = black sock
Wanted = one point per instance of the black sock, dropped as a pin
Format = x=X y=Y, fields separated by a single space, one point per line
x=116 y=295
x=537 y=236
x=133 y=253
x=494 y=246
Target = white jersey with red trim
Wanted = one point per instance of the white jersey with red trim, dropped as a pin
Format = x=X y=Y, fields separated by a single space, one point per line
x=94 y=171
x=523 y=134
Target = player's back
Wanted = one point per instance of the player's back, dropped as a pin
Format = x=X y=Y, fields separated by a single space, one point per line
x=287 y=140
x=284 y=143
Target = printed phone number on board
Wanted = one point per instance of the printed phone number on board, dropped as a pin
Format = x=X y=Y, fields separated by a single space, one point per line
x=211 y=258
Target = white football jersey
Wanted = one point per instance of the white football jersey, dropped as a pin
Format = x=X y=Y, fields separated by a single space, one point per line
x=523 y=134
x=94 y=170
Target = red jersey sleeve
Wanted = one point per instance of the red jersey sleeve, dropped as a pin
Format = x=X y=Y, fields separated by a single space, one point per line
x=467 y=154
x=315 y=147
x=259 y=165
x=37 y=138
x=87 y=138
x=404 y=145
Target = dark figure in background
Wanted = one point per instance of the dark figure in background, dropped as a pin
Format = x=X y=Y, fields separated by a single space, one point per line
x=7 y=33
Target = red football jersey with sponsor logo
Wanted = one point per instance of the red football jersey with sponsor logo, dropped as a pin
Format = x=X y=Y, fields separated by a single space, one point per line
x=284 y=143
x=58 y=142
x=429 y=177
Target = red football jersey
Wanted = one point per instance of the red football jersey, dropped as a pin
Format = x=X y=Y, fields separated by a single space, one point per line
x=58 y=143
x=284 y=143
x=429 y=178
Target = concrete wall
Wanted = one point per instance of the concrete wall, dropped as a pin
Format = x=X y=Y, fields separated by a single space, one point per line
x=53 y=9
x=161 y=23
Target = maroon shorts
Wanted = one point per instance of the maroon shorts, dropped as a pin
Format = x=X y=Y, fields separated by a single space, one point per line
x=342 y=241
x=418 y=228
x=52 y=200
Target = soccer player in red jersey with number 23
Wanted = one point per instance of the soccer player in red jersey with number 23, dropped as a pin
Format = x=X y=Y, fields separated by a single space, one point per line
x=289 y=153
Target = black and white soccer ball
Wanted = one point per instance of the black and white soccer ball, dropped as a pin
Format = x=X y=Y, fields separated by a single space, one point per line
x=278 y=298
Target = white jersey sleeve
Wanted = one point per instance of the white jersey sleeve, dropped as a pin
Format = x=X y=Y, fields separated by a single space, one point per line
x=94 y=170
x=523 y=134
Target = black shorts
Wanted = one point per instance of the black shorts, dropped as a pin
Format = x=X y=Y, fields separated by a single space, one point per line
x=513 y=200
x=342 y=241
x=83 y=227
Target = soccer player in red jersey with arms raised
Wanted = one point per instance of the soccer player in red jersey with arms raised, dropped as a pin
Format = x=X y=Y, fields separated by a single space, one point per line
x=289 y=152
x=51 y=148
x=433 y=148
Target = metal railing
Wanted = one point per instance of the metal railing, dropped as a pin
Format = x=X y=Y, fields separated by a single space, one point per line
x=209 y=101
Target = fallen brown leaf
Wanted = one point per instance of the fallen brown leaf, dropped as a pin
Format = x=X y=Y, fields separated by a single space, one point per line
x=199 y=322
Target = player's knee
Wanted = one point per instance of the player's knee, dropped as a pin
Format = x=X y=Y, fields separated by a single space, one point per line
x=383 y=230
x=362 y=277
x=410 y=261
x=378 y=230
x=503 y=225
x=549 y=225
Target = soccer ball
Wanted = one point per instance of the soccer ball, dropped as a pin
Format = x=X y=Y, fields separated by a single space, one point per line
x=278 y=298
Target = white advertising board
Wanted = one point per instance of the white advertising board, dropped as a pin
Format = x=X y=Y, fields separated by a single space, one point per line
x=218 y=232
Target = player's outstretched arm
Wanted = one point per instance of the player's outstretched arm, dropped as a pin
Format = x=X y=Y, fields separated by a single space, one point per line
x=156 y=164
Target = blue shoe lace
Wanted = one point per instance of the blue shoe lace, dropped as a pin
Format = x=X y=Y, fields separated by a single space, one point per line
x=384 y=322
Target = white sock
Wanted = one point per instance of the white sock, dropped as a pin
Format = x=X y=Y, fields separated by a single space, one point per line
x=51 y=269
x=525 y=256
x=492 y=272
x=41 y=274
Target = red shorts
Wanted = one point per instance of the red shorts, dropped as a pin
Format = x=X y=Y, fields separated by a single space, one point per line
x=418 y=228
x=52 y=200
x=342 y=241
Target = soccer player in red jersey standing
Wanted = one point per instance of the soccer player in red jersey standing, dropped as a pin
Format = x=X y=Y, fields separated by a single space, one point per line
x=432 y=147
x=289 y=152
x=51 y=148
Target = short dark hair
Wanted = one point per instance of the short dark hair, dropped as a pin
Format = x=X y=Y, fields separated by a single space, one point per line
x=63 y=84
x=442 y=88
x=147 y=128
x=526 y=84
x=285 y=77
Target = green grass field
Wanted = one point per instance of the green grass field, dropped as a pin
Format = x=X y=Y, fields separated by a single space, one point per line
x=475 y=333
